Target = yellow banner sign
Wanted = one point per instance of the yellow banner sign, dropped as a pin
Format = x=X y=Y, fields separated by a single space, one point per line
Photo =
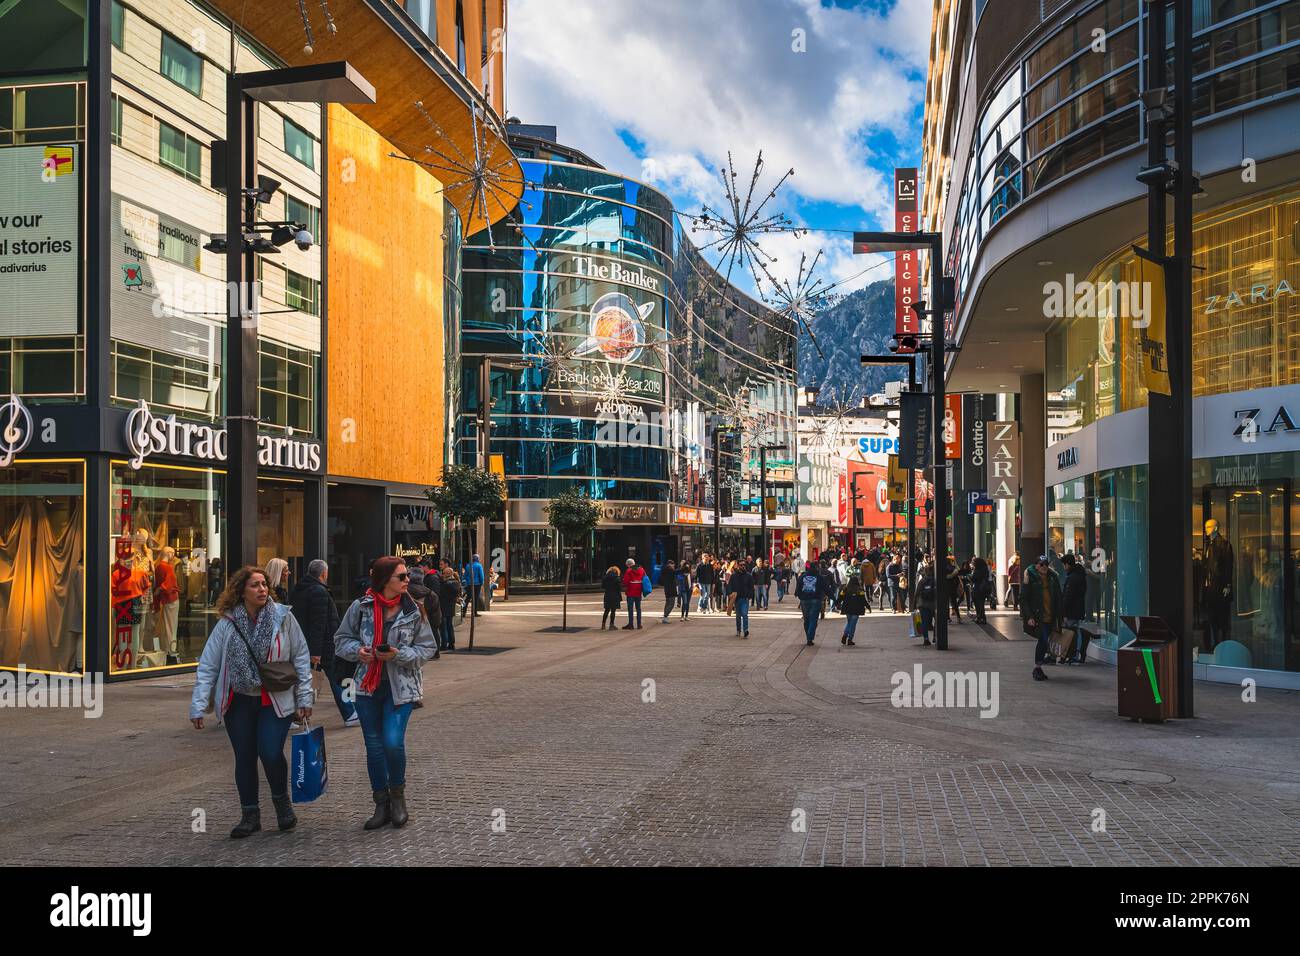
x=897 y=480
x=497 y=465
x=1153 y=338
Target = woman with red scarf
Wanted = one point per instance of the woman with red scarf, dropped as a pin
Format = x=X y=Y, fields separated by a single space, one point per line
x=387 y=633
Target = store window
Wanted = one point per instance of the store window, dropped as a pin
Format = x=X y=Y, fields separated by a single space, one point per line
x=416 y=530
x=42 y=565
x=181 y=65
x=1255 y=502
x=280 y=524
x=167 y=526
x=299 y=144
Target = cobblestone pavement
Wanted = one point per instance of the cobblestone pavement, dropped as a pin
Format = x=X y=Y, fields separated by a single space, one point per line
x=760 y=751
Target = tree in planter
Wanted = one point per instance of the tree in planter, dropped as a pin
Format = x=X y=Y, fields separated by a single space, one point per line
x=573 y=515
x=468 y=495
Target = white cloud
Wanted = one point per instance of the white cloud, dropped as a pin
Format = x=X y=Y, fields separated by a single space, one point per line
x=692 y=79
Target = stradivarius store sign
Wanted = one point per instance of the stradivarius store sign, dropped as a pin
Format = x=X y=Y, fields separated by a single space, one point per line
x=149 y=434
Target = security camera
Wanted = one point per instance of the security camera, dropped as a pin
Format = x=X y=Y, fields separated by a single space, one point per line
x=303 y=240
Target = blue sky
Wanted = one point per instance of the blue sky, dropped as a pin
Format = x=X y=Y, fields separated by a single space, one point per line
x=661 y=91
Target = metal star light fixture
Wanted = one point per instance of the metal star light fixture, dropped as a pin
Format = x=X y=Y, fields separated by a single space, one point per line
x=481 y=176
x=739 y=226
x=800 y=301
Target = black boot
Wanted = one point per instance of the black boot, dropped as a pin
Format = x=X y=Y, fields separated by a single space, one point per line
x=285 y=818
x=249 y=823
x=397 y=799
x=382 y=811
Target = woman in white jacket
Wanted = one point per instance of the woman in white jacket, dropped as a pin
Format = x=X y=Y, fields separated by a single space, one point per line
x=253 y=629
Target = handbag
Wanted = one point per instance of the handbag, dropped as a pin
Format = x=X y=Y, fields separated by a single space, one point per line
x=310 y=767
x=276 y=675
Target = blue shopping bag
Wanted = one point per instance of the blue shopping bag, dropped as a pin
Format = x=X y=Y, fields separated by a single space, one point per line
x=309 y=770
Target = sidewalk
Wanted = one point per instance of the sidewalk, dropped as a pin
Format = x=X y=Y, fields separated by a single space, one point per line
x=683 y=744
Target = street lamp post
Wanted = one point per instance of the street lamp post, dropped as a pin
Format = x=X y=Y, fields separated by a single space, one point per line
x=942 y=292
x=766 y=552
x=335 y=82
x=909 y=503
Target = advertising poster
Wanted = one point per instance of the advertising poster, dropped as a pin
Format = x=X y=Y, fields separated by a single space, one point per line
x=40 y=247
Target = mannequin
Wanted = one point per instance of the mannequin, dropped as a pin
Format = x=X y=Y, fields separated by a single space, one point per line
x=166 y=602
x=1217 y=583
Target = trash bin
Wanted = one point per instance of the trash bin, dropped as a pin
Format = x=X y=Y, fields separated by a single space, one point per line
x=1147 y=671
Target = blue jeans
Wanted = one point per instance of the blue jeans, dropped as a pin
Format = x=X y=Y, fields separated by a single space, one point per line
x=347 y=710
x=448 y=636
x=670 y=602
x=383 y=725
x=256 y=733
x=761 y=596
x=927 y=621
x=811 y=608
x=633 y=602
x=1044 y=635
x=851 y=625
x=742 y=615
x=704 y=598
x=780 y=591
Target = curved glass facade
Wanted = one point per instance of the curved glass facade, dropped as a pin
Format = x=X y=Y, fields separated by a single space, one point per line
x=610 y=343
x=1070 y=103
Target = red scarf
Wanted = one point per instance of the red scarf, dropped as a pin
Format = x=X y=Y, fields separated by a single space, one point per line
x=375 y=671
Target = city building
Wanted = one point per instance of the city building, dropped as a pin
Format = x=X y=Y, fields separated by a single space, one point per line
x=1035 y=131
x=113 y=305
x=616 y=358
x=843 y=465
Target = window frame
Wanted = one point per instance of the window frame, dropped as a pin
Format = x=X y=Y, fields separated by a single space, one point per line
x=197 y=177
x=310 y=162
x=184 y=49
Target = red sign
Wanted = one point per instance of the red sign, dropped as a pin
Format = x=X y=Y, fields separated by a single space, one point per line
x=907 y=262
x=844 y=498
x=952 y=427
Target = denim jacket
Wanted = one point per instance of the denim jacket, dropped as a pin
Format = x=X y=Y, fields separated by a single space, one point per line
x=408 y=632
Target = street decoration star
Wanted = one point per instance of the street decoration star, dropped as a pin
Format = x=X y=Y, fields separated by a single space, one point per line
x=481 y=177
x=737 y=228
x=800 y=301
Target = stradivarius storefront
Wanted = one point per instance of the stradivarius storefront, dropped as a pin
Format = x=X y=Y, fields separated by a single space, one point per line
x=1246 y=446
x=112 y=532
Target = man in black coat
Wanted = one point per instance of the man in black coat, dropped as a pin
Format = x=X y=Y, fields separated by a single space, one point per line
x=313 y=607
x=1074 y=596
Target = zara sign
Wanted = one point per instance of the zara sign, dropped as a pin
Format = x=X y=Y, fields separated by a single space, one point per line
x=148 y=434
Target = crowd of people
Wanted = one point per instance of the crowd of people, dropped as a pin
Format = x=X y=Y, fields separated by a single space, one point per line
x=256 y=669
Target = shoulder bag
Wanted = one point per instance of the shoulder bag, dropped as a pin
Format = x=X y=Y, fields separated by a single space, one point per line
x=276 y=675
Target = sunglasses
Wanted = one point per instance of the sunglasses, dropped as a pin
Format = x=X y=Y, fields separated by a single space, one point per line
x=404 y=576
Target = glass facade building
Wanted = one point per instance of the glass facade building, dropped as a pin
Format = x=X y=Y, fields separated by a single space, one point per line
x=608 y=347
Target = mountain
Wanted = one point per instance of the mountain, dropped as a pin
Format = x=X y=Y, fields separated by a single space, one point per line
x=862 y=323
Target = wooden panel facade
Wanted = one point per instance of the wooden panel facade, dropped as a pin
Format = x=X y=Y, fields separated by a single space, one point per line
x=404 y=66
x=386 y=411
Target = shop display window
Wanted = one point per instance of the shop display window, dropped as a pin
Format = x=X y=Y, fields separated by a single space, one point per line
x=167 y=526
x=42 y=565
